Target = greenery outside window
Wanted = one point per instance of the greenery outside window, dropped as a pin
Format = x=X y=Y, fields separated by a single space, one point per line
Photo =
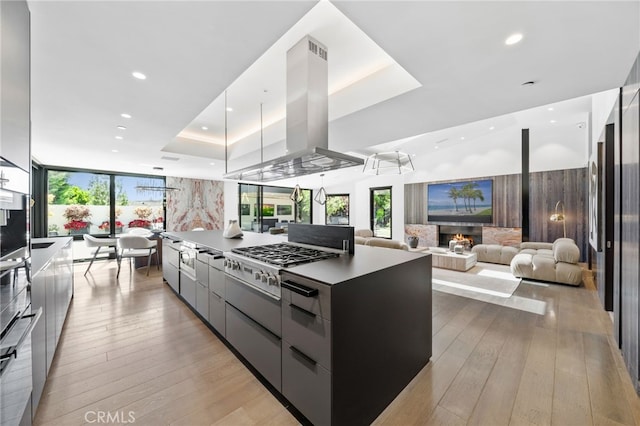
x=380 y=211
x=337 y=209
x=83 y=202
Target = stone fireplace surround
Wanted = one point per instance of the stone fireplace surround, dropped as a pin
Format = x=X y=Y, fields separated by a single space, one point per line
x=448 y=232
x=429 y=235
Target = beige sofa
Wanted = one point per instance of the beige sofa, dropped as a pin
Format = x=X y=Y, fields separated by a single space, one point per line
x=365 y=237
x=557 y=262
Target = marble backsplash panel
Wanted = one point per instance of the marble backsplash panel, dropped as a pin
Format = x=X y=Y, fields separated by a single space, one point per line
x=427 y=234
x=502 y=236
x=197 y=203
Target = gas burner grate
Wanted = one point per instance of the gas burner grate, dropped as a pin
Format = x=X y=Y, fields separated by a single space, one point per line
x=284 y=254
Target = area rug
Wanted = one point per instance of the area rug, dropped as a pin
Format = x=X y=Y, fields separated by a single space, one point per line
x=485 y=278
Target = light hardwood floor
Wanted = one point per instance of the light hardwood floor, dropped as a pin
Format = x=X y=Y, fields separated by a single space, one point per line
x=131 y=349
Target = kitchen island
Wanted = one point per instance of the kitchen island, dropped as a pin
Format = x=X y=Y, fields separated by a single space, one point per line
x=346 y=335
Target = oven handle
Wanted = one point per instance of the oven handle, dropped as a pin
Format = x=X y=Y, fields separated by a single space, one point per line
x=14 y=349
x=300 y=289
x=253 y=287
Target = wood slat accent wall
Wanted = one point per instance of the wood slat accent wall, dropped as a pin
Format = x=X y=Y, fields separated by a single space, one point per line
x=628 y=219
x=546 y=189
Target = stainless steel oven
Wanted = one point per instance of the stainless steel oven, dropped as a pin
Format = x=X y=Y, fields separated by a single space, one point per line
x=17 y=321
x=188 y=256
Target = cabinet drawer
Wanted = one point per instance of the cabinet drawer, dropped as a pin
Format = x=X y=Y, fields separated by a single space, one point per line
x=171 y=276
x=259 y=346
x=202 y=299
x=261 y=308
x=319 y=304
x=306 y=385
x=216 y=312
x=308 y=332
x=202 y=271
x=188 y=289
x=216 y=281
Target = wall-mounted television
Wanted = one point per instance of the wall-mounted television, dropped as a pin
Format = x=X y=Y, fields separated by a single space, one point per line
x=466 y=201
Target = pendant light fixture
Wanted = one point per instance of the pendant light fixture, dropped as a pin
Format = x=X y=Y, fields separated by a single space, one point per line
x=296 y=194
x=387 y=163
x=321 y=196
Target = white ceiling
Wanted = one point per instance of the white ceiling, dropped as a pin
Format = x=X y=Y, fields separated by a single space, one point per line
x=83 y=54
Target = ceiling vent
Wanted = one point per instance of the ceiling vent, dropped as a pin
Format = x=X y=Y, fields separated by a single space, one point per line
x=164 y=157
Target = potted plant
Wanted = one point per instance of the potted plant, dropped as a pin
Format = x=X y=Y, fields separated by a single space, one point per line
x=106 y=225
x=413 y=238
x=76 y=215
x=143 y=212
x=53 y=230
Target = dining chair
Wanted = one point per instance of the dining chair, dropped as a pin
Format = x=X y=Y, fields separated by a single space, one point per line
x=98 y=243
x=131 y=246
x=139 y=231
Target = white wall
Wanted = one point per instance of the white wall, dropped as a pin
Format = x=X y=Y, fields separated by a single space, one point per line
x=557 y=147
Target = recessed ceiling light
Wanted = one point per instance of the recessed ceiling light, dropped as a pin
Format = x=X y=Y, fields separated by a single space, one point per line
x=552 y=121
x=212 y=164
x=204 y=128
x=139 y=75
x=123 y=115
x=436 y=146
x=513 y=39
x=461 y=138
x=550 y=109
x=492 y=127
x=121 y=128
x=229 y=109
x=528 y=83
x=119 y=137
x=114 y=150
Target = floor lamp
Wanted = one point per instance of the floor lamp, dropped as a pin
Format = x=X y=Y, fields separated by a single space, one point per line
x=559 y=216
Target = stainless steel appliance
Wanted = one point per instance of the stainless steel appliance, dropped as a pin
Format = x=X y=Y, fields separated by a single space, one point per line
x=16 y=324
x=188 y=256
x=260 y=266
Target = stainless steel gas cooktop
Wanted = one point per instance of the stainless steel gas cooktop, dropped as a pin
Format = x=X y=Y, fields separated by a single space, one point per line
x=284 y=255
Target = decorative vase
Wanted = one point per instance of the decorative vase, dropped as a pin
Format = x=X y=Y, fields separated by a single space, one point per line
x=233 y=230
x=452 y=244
x=458 y=249
x=413 y=241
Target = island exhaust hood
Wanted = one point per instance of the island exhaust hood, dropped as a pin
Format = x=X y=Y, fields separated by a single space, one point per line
x=307 y=121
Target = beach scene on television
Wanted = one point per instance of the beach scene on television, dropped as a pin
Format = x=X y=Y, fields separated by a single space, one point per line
x=468 y=200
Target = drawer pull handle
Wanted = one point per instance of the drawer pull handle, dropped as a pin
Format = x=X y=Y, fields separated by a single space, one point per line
x=300 y=289
x=298 y=308
x=302 y=354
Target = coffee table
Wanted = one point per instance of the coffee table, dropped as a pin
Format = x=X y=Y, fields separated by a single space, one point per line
x=457 y=262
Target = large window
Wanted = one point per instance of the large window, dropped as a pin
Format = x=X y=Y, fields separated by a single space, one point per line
x=380 y=211
x=262 y=207
x=77 y=203
x=139 y=203
x=80 y=202
x=337 y=209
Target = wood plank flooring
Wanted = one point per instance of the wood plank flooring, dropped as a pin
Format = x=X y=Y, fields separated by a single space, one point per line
x=132 y=349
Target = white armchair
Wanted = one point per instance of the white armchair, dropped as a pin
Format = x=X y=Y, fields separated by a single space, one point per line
x=131 y=246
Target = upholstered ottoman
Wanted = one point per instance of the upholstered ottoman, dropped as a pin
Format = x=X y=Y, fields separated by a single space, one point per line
x=494 y=253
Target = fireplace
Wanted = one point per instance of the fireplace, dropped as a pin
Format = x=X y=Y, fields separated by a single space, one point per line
x=468 y=235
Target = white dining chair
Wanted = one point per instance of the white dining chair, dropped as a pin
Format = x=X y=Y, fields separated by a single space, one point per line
x=132 y=246
x=139 y=231
x=98 y=243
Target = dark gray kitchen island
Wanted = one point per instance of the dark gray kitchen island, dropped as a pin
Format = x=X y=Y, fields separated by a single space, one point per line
x=345 y=336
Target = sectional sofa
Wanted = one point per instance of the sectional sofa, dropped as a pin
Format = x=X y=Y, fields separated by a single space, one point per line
x=554 y=262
